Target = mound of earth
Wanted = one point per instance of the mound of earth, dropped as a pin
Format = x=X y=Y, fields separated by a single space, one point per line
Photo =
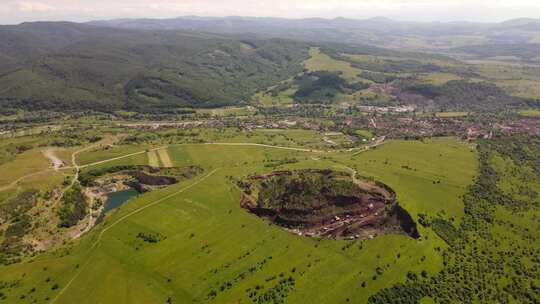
x=326 y=203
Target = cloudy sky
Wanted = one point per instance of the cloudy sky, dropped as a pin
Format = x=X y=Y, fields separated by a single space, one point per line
x=16 y=11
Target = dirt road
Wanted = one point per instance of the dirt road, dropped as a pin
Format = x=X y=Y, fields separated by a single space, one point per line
x=123 y=218
x=56 y=162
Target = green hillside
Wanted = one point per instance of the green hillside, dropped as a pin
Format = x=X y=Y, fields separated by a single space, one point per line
x=107 y=69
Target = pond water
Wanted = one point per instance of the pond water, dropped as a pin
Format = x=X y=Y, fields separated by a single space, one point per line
x=115 y=200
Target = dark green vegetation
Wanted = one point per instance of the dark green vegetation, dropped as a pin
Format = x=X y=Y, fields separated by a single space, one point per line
x=304 y=189
x=13 y=212
x=87 y=177
x=73 y=207
x=493 y=254
x=323 y=87
x=107 y=69
x=378 y=77
x=393 y=66
x=150 y=237
x=466 y=95
x=141 y=175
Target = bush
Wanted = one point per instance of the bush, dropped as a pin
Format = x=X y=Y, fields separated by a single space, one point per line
x=74 y=207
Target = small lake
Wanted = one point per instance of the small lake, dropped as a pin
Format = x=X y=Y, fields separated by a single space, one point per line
x=115 y=200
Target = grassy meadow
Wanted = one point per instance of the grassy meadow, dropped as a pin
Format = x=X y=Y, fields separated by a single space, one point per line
x=212 y=251
x=529 y=113
x=322 y=62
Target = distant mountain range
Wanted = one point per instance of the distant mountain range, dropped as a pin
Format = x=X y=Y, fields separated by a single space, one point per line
x=375 y=31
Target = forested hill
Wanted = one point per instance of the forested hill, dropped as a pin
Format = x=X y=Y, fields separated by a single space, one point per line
x=76 y=66
x=377 y=31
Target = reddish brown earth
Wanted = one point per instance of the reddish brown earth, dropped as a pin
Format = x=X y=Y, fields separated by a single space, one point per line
x=366 y=210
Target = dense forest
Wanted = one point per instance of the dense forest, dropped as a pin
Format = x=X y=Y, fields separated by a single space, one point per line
x=323 y=87
x=111 y=69
x=465 y=95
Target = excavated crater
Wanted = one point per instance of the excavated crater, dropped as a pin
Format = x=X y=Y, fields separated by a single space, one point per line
x=326 y=203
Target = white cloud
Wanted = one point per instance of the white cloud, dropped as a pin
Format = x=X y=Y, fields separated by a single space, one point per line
x=26 y=6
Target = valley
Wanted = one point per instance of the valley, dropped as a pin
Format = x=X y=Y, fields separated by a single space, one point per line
x=171 y=163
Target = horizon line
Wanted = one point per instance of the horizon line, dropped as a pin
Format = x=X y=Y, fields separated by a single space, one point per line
x=276 y=17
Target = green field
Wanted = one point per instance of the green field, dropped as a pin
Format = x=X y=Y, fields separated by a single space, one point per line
x=318 y=61
x=29 y=169
x=438 y=78
x=283 y=98
x=213 y=251
x=451 y=114
x=227 y=111
x=322 y=62
x=530 y=113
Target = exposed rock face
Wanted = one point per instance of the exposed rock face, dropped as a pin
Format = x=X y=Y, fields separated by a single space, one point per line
x=141 y=178
x=143 y=182
x=326 y=203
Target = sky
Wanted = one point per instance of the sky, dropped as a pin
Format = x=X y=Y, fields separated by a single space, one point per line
x=17 y=11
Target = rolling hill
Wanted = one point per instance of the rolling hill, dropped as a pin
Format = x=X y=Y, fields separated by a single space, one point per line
x=76 y=66
x=161 y=66
x=377 y=31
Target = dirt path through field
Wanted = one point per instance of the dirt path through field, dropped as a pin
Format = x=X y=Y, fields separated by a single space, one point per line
x=77 y=168
x=15 y=182
x=164 y=157
x=123 y=218
x=266 y=146
x=379 y=141
x=153 y=160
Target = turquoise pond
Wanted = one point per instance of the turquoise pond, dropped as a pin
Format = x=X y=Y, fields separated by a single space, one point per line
x=115 y=200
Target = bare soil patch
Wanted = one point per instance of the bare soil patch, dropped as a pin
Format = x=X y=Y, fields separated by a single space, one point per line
x=153 y=159
x=56 y=162
x=165 y=159
x=326 y=203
